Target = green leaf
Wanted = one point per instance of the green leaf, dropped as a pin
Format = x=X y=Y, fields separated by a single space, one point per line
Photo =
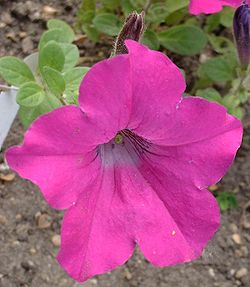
x=221 y=44
x=107 y=23
x=226 y=200
x=73 y=79
x=111 y=5
x=150 y=39
x=157 y=13
x=174 y=5
x=71 y=54
x=28 y=115
x=51 y=56
x=127 y=7
x=54 y=81
x=59 y=24
x=210 y=94
x=91 y=33
x=57 y=35
x=86 y=13
x=30 y=95
x=217 y=69
x=243 y=96
x=226 y=18
x=183 y=40
x=14 y=71
x=213 y=22
x=176 y=17
x=237 y=112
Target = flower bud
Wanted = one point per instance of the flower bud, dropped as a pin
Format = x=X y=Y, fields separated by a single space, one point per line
x=241 y=33
x=133 y=29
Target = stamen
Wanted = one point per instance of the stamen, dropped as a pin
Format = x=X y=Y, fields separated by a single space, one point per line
x=118 y=139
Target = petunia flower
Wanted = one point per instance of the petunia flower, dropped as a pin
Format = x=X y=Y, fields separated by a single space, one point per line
x=212 y=6
x=131 y=165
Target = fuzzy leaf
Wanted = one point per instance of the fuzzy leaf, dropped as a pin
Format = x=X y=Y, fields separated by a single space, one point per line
x=57 y=35
x=14 y=71
x=108 y=24
x=30 y=95
x=59 y=24
x=71 y=54
x=183 y=39
x=54 y=81
x=51 y=56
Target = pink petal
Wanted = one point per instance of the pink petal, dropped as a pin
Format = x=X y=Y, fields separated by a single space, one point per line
x=200 y=142
x=105 y=94
x=57 y=150
x=133 y=202
x=211 y=6
x=194 y=120
x=157 y=86
x=138 y=88
x=94 y=237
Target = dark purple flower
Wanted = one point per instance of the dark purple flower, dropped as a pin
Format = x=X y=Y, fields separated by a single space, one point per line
x=241 y=33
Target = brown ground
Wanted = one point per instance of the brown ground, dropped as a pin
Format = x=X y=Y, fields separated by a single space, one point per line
x=27 y=252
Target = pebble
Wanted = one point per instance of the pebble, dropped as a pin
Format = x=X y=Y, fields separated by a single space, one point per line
x=93 y=281
x=203 y=58
x=246 y=224
x=242 y=272
x=244 y=251
x=6 y=18
x=49 y=11
x=44 y=221
x=128 y=274
x=236 y=238
x=3 y=220
x=22 y=232
x=27 y=265
x=211 y=272
x=56 y=240
x=11 y=36
x=22 y=34
x=7 y=177
x=19 y=217
x=27 y=45
x=32 y=250
x=79 y=39
x=233 y=227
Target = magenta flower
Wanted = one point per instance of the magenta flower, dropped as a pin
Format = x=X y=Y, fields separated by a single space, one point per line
x=212 y=6
x=131 y=165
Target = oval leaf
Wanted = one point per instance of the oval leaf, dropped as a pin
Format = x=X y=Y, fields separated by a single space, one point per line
x=183 y=39
x=217 y=69
x=28 y=115
x=51 y=56
x=15 y=72
x=71 y=54
x=108 y=24
x=59 y=24
x=57 y=35
x=30 y=95
x=73 y=79
x=151 y=40
x=54 y=81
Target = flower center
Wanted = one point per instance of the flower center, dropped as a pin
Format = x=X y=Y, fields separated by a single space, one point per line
x=139 y=144
x=126 y=145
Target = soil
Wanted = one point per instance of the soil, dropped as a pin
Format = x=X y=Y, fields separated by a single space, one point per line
x=29 y=228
